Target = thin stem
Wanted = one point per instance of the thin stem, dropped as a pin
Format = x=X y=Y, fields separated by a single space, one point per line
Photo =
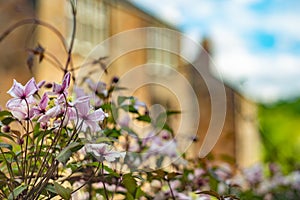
x=50 y=58
x=37 y=22
x=43 y=182
x=25 y=163
x=17 y=162
x=74 y=11
x=3 y=195
x=42 y=165
x=8 y=168
x=38 y=152
x=77 y=128
x=103 y=183
x=171 y=190
x=53 y=144
x=117 y=185
x=91 y=177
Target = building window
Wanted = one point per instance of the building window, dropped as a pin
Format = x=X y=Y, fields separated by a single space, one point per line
x=92 y=25
x=162 y=41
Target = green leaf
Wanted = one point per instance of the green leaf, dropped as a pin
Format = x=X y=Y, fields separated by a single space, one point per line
x=93 y=164
x=211 y=193
x=39 y=135
x=74 y=166
x=129 y=183
x=8 y=120
x=106 y=106
x=50 y=188
x=7 y=136
x=139 y=193
x=144 y=118
x=66 y=153
x=214 y=180
x=121 y=99
x=129 y=108
x=168 y=128
x=173 y=112
x=5 y=113
x=4 y=145
x=114 y=133
x=65 y=193
x=17 y=191
x=129 y=196
x=111 y=171
x=132 y=109
x=3 y=179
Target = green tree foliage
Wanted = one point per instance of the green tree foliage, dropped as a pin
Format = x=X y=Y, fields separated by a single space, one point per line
x=280 y=132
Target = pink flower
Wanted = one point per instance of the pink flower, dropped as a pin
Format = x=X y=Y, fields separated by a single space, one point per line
x=151 y=137
x=167 y=148
x=254 y=174
x=134 y=102
x=98 y=88
x=103 y=152
x=79 y=92
x=138 y=104
x=53 y=112
x=223 y=172
x=21 y=112
x=94 y=99
x=124 y=121
x=20 y=93
x=40 y=84
x=89 y=119
x=41 y=108
x=63 y=88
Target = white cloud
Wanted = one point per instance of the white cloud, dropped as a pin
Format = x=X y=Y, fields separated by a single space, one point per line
x=230 y=25
x=168 y=10
x=171 y=14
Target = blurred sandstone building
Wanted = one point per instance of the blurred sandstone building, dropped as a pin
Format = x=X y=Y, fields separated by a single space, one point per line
x=13 y=48
x=98 y=20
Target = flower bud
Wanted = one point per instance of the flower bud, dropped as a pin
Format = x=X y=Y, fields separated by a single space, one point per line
x=5 y=129
x=115 y=79
x=48 y=85
x=20 y=141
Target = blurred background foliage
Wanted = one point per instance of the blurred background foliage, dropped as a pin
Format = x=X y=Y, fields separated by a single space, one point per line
x=280 y=133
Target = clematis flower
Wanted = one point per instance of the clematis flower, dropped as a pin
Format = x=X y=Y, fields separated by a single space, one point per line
x=151 y=137
x=167 y=148
x=79 y=92
x=94 y=99
x=41 y=107
x=135 y=102
x=138 y=104
x=20 y=111
x=124 y=120
x=21 y=93
x=63 y=88
x=89 y=119
x=254 y=174
x=53 y=112
x=103 y=152
x=41 y=84
x=98 y=88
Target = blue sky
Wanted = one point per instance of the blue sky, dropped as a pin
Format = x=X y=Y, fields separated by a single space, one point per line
x=256 y=42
